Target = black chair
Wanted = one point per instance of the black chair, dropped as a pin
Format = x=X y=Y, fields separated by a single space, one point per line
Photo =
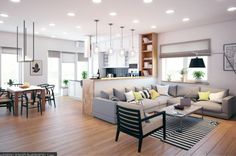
x=6 y=99
x=17 y=84
x=30 y=101
x=43 y=85
x=49 y=97
x=132 y=121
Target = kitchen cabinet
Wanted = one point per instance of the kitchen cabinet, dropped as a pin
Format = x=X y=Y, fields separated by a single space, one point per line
x=75 y=89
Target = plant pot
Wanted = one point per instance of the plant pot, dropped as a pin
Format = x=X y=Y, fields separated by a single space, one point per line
x=64 y=91
x=198 y=80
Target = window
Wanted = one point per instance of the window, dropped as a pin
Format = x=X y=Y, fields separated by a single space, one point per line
x=10 y=68
x=68 y=67
x=171 y=69
x=53 y=73
x=82 y=65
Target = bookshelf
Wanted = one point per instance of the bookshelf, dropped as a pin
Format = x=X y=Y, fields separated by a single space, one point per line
x=148 y=54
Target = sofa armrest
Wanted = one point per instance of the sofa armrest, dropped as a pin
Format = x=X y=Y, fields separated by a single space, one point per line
x=104 y=109
x=227 y=105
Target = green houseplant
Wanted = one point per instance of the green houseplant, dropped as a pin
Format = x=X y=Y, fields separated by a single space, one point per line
x=84 y=75
x=198 y=75
x=10 y=82
x=66 y=82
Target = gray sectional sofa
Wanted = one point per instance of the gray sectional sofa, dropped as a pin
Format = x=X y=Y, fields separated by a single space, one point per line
x=105 y=109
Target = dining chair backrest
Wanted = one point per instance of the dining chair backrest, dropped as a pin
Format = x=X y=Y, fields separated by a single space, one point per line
x=43 y=85
x=50 y=89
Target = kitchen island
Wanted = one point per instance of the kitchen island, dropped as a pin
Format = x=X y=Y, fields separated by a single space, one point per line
x=93 y=87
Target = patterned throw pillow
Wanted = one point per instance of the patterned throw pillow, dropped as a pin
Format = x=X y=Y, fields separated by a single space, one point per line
x=145 y=94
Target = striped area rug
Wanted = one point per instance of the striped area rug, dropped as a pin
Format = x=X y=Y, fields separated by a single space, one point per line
x=194 y=129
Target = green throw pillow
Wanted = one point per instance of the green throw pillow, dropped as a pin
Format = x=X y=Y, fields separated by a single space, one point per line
x=138 y=96
x=204 y=96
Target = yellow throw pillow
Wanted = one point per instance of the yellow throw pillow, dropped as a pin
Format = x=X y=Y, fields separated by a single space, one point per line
x=204 y=96
x=154 y=94
x=138 y=96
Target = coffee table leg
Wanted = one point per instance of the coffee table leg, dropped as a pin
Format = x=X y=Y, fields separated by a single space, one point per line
x=202 y=112
x=180 y=126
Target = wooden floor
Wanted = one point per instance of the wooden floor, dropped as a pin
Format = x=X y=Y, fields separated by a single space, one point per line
x=70 y=133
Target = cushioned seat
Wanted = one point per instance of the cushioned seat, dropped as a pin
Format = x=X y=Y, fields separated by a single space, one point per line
x=153 y=123
x=162 y=99
x=210 y=106
x=174 y=100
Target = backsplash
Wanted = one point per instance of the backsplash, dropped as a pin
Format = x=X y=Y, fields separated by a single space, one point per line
x=117 y=72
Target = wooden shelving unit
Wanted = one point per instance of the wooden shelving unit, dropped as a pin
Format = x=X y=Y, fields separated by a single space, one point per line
x=148 y=54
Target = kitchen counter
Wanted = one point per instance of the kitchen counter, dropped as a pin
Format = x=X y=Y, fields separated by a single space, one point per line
x=121 y=78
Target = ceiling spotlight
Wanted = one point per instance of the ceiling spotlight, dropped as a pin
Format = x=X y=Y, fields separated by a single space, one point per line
x=135 y=21
x=53 y=36
x=52 y=25
x=1 y=22
x=3 y=15
x=112 y=13
x=170 y=11
x=15 y=1
x=65 y=33
x=71 y=14
x=97 y=1
x=231 y=9
x=147 y=1
x=78 y=27
x=153 y=27
x=186 y=19
x=36 y=32
x=43 y=29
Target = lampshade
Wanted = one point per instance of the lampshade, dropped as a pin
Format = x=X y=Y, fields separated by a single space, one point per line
x=197 y=63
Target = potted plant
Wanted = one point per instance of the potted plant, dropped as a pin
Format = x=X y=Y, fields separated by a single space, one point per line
x=183 y=74
x=169 y=77
x=65 y=88
x=84 y=76
x=10 y=82
x=198 y=75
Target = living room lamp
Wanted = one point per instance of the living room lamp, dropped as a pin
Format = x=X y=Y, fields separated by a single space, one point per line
x=96 y=48
x=110 y=50
x=122 y=50
x=132 y=51
x=197 y=62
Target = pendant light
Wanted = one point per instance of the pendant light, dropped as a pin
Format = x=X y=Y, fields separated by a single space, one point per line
x=197 y=63
x=132 y=51
x=24 y=55
x=96 y=48
x=122 y=50
x=110 y=50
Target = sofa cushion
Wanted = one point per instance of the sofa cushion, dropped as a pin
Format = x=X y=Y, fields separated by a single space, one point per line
x=163 y=89
x=129 y=96
x=104 y=95
x=204 y=96
x=138 y=89
x=119 y=94
x=162 y=99
x=217 y=97
x=210 y=106
x=137 y=96
x=174 y=100
x=149 y=104
x=215 y=90
x=187 y=91
x=154 y=94
x=173 y=90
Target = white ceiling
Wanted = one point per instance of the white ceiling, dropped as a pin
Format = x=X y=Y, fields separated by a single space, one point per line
x=43 y=12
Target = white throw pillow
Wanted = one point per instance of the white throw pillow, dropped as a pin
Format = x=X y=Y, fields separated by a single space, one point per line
x=217 y=97
x=129 y=96
x=163 y=90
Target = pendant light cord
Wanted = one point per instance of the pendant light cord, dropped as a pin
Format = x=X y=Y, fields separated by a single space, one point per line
x=96 y=31
x=132 y=38
x=122 y=36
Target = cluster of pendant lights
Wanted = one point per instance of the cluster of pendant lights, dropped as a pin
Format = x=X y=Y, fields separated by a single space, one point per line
x=110 y=51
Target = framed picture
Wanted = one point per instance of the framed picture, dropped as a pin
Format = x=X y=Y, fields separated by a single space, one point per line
x=230 y=53
x=36 y=68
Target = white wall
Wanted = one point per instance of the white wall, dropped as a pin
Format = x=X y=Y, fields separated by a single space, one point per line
x=220 y=33
x=42 y=45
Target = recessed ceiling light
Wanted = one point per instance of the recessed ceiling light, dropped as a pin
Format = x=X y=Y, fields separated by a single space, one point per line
x=170 y=11
x=3 y=15
x=112 y=13
x=52 y=24
x=15 y=1
x=153 y=27
x=135 y=21
x=231 y=9
x=1 y=22
x=78 y=27
x=53 y=36
x=118 y=35
x=43 y=29
x=97 y=1
x=71 y=14
x=147 y=1
x=65 y=33
x=186 y=19
x=36 y=32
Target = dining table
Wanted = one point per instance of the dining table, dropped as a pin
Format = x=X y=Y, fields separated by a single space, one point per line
x=18 y=91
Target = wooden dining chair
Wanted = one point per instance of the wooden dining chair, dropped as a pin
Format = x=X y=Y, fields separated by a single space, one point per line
x=132 y=121
x=6 y=99
x=31 y=100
